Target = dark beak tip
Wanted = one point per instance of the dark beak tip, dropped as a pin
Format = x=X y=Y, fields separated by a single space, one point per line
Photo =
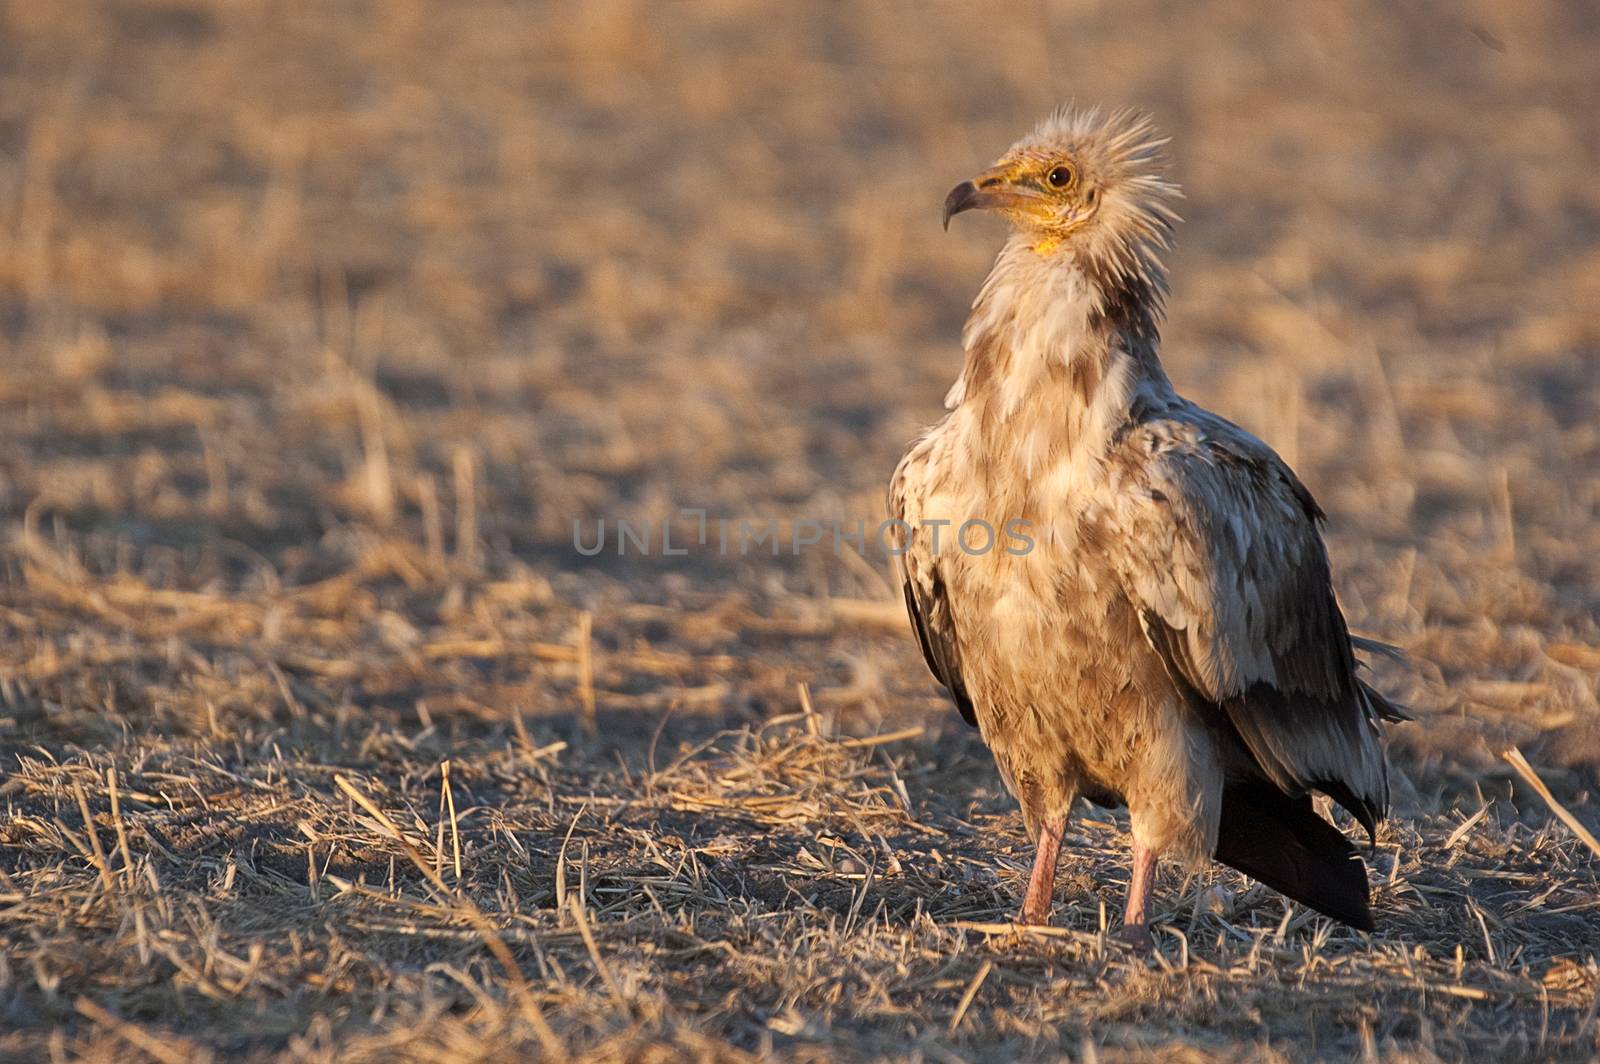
x=962 y=198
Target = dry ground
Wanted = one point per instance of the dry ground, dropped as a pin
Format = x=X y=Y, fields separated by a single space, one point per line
x=321 y=322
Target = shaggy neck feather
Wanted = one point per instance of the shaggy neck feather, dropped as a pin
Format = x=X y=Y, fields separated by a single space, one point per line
x=1055 y=346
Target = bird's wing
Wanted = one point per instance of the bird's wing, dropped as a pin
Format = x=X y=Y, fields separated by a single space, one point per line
x=1217 y=545
x=929 y=607
x=927 y=598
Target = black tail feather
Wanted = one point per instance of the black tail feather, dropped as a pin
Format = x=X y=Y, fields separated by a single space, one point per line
x=1282 y=842
x=1386 y=708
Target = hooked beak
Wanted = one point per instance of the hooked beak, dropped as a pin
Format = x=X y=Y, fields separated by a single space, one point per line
x=990 y=190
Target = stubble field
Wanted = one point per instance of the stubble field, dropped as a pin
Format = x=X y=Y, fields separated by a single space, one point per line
x=320 y=325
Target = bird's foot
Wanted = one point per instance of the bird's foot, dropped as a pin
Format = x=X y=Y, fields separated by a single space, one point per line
x=1137 y=937
x=1034 y=915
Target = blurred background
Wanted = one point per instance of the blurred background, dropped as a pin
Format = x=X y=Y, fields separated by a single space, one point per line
x=288 y=286
x=395 y=292
x=321 y=323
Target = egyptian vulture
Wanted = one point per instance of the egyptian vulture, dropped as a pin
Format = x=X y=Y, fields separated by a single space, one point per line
x=1161 y=630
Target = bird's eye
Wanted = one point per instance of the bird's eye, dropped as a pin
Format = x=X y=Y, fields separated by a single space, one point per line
x=1060 y=177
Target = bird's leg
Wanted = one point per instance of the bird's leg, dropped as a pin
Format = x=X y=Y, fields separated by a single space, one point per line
x=1042 y=881
x=1135 y=918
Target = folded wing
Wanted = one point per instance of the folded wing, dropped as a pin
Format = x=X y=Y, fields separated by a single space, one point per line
x=927 y=598
x=1217 y=546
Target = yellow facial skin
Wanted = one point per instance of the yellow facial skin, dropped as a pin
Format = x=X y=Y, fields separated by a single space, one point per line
x=1045 y=196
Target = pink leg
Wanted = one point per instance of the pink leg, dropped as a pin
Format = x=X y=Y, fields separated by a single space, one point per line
x=1041 y=883
x=1135 y=918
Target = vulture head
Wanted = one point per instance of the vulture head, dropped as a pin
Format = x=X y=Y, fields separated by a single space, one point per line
x=1090 y=184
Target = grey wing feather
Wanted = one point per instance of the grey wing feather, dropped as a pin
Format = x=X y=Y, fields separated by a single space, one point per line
x=1222 y=557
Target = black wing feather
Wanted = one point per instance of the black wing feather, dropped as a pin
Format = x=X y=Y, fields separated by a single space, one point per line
x=930 y=617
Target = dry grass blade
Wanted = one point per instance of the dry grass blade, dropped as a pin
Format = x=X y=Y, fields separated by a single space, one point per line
x=467 y=907
x=879 y=740
x=813 y=723
x=98 y=855
x=971 y=992
x=168 y=1049
x=1466 y=827
x=585 y=648
x=355 y=795
x=575 y=906
x=455 y=828
x=122 y=831
x=1525 y=770
x=529 y=1008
